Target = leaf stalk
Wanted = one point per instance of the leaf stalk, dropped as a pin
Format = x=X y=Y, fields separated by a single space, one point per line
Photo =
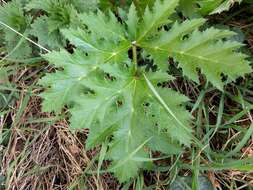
x=134 y=49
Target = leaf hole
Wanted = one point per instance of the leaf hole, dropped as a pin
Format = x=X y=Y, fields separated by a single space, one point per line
x=109 y=77
x=185 y=37
x=119 y=103
x=159 y=84
x=146 y=104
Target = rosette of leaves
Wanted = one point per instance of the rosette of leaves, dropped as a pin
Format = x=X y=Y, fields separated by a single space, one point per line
x=107 y=91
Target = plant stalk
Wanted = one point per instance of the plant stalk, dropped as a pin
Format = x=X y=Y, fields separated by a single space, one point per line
x=135 y=57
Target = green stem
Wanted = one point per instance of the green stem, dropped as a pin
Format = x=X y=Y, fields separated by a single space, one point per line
x=135 y=57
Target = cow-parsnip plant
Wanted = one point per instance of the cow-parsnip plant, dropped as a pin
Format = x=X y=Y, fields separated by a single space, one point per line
x=107 y=91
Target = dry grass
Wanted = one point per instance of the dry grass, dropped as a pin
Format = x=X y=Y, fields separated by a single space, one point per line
x=47 y=156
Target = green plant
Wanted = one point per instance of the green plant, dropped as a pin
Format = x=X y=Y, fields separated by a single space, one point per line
x=193 y=8
x=40 y=21
x=59 y=14
x=13 y=15
x=121 y=102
